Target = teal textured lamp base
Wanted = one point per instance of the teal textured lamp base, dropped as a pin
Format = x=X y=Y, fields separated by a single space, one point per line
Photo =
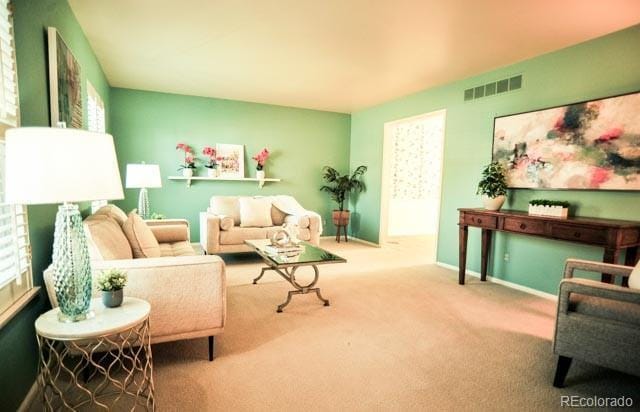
x=143 y=204
x=71 y=265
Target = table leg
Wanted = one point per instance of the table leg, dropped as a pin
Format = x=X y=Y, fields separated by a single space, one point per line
x=462 y=253
x=486 y=247
x=255 y=281
x=290 y=276
x=631 y=259
x=610 y=256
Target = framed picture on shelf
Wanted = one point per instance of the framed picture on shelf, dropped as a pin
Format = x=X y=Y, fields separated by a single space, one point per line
x=230 y=160
x=65 y=85
x=591 y=145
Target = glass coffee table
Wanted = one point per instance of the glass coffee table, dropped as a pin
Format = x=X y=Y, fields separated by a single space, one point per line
x=286 y=266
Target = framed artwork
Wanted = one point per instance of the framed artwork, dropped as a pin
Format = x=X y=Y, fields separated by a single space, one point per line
x=230 y=160
x=592 y=145
x=65 y=85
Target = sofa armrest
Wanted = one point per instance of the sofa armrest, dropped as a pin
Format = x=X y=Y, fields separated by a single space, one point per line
x=158 y=223
x=210 y=232
x=618 y=270
x=596 y=289
x=170 y=233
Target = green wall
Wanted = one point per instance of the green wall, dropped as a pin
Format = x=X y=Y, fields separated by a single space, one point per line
x=18 y=347
x=602 y=67
x=147 y=126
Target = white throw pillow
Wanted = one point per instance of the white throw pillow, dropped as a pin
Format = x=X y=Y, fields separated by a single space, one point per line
x=255 y=212
x=634 y=277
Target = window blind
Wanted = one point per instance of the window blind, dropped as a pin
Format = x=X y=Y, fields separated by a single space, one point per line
x=15 y=249
x=8 y=77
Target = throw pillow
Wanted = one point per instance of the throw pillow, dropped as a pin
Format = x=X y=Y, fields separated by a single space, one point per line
x=106 y=239
x=114 y=212
x=143 y=243
x=255 y=212
x=634 y=277
x=226 y=222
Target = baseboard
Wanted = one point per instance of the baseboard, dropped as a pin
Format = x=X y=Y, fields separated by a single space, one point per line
x=354 y=239
x=30 y=398
x=502 y=282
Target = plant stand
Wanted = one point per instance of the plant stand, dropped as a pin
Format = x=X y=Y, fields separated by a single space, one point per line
x=344 y=229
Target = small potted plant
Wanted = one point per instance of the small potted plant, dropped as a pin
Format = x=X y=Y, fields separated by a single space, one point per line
x=111 y=282
x=339 y=186
x=212 y=164
x=189 y=163
x=553 y=208
x=493 y=186
x=261 y=159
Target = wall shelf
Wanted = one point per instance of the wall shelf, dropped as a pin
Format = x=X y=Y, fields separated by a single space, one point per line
x=261 y=182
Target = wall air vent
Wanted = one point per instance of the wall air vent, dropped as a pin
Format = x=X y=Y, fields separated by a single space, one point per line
x=493 y=88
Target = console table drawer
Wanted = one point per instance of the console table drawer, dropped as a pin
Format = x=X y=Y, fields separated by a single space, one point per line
x=489 y=222
x=580 y=234
x=534 y=227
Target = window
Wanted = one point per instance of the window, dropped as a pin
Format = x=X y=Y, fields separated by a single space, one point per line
x=15 y=250
x=95 y=109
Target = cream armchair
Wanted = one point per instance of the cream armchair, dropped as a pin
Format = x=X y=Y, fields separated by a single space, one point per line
x=186 y=291
x=221 y=230
x=597 y=322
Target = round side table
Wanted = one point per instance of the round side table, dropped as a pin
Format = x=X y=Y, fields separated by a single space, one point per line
x=100 y=363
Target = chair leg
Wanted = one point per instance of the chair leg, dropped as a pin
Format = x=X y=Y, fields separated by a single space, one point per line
x=211 y=346
x=561 y=371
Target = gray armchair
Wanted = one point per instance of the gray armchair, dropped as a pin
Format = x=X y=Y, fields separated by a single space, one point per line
x=597 y=322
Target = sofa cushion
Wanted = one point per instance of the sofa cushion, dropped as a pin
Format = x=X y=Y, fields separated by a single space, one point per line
x=277 y=216
x=113 y=212
x=255 y=212
x=106 y=238
x=174 y=249
x=143 y=243
x=227 y=206
x=634 y=277
x=602 y=308
x=170 y=233
x=237 y=235
x=226 y=222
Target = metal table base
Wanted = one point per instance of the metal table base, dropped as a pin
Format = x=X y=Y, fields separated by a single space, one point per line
x=289 y=275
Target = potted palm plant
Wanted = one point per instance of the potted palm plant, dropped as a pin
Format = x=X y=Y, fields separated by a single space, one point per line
x=339 y=186
x=493 y=186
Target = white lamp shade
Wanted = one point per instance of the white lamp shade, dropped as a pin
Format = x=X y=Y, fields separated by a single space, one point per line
x=141 y=175
x=47 y=165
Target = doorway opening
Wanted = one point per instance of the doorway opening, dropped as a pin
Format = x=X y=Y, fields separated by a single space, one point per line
x=412 y=182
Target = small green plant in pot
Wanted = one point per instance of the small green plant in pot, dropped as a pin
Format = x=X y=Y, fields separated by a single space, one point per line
x=111 y=282
x=493 y=186
x=339 y=186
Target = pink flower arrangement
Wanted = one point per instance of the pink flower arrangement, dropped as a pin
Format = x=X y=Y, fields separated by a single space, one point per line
x=210 y=152
x=189 y=158
x=261 y=158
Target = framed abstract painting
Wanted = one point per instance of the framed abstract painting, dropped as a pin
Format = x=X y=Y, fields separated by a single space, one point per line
x=592 y=145
x=65 y=84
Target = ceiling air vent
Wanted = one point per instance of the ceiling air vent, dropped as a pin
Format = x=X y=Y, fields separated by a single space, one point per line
x=493 y=88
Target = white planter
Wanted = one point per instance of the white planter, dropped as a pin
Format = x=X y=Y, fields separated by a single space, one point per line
x=493 y=203
x=260 y=174
x=187 y=172
x=552 y=211
x=212 y=172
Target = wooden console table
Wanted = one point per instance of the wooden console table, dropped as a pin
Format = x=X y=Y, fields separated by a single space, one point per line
x=613 y=235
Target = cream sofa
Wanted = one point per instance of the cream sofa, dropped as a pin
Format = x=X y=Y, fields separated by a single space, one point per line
x=187 y=291
x=221 y=229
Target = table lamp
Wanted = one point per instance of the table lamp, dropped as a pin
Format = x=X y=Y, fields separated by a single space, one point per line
x=143 y=176
x=52 y=166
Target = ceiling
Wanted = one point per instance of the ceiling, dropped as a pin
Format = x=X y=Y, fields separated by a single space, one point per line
x=337 y=55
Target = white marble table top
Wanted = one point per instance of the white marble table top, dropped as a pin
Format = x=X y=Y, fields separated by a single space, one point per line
x=105 y=321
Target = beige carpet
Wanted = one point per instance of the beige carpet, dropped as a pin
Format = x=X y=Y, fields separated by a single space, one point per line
x=400 y=334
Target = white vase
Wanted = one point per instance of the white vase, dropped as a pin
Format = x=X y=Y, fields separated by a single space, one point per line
x=187 y=172
x=493 y=203
x=212 y=172
x=260 y=174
